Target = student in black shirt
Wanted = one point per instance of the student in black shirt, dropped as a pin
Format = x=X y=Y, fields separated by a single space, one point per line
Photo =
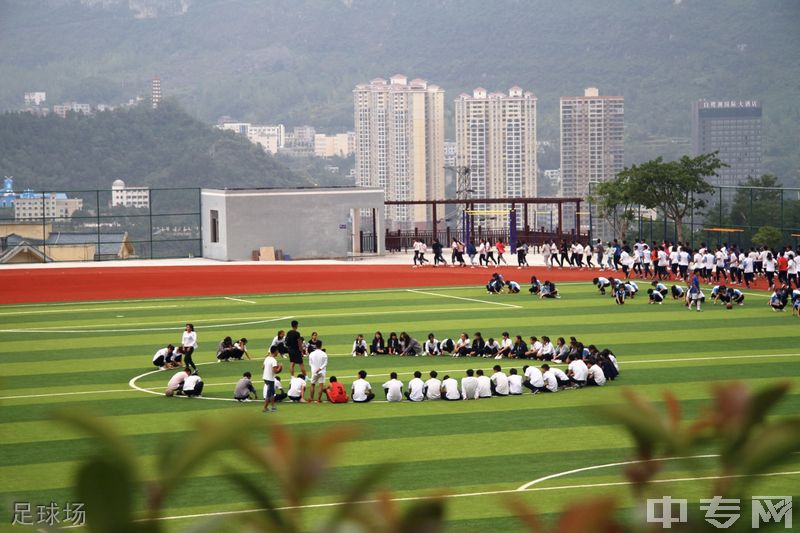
x=294 y=345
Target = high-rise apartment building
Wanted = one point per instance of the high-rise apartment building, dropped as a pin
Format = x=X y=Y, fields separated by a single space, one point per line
x=732 y=127
x=399 y=128
x=155 y=92
x=592 y=144
x=496 y=140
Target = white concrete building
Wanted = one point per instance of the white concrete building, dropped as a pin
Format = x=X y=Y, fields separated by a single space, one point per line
x=337 y=145
x=124 y=196
x=52 y=206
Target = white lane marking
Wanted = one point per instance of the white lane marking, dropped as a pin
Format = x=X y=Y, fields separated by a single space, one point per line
x=128 y=330
x=715 y=358
x=239 y=300
x=64 y=394
x=91 y=309
x=468 y=495
x=529 y=484
x=463 y=298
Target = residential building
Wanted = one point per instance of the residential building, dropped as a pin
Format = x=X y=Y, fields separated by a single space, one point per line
x=450 y=153
x=733 y=128
x=51 y=206
x=124 y=196
x=592 y=145
x=496 y=139
x=337 y=145
x=399 y=130
x=35 y=98
x=155 y=92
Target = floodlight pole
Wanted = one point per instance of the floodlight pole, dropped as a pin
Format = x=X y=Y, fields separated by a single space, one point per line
x=463 y=182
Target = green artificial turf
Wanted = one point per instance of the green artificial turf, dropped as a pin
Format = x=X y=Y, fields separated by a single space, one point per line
x=82 y=355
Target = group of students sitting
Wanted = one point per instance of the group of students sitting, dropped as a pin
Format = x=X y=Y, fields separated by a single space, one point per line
x=582 y=371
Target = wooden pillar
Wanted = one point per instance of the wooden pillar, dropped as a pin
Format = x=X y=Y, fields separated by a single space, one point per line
x=434 y=219
x=559 y=221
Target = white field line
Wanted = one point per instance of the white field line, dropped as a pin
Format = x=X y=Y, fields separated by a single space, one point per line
x=181 y=323
x=128 y=330
x=91 y=309
x=463 y=298
x=60 y=329
x=468 y=495
x=239 y=300
x=77 y=393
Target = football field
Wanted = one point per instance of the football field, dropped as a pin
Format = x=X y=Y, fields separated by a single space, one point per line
x=546 y=450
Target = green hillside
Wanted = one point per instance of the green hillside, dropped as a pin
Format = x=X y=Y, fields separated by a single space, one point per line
x=145 y=147
x=297 y=61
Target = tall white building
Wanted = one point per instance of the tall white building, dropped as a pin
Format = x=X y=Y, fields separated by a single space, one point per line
x=592 y=145
x=399 y=128
x=35 y=98
x=496 y=140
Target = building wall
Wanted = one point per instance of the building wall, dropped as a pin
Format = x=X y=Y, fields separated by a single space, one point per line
x=733 y=128
x=50 y=206
x=399 y=143
x=27 y=230
x=592 y=145
x=304 y=224
x=496 y=140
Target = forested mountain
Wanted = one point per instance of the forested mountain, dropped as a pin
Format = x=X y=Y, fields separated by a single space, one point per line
x=145 y=147
x=297 y=61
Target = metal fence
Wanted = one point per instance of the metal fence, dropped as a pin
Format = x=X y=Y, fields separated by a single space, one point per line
x=735 y=215
x=98 y=225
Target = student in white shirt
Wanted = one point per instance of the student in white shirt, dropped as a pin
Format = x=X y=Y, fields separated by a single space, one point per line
x=533 y=379
x=318 y=359
x=514 y=383
x=193 y=385
x=361 y=391
x=188 y=345
x=595 y=377
x=297 y=388
x=162 y=357
x=431 y=346
x=433 y=387
x=450 y=389
x=547 y=351
x=393 y=388
x=271 y=370
x=484 y=384
x=506 y=346
x=578 y=371
x=561 y=378
x=360 y=346
x=463 y=346
x=549 y=380
x=469 y=386
x=499 y=382
x=416 y=388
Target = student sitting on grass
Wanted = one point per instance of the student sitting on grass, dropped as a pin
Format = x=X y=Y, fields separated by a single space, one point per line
x=660 y=287
x=595 y=376
x=578 y=372
x=499 y=380
x=513 y=287
x=514 y=383
x=393 y=344
x=393 y=389
x=334 y=391
x=619 y=294
x=533 y=379
x=361 y=390
x=536 y=286
x=484 y=384
x=359 y=346
x=449 y=390
x=431 y=346
x=297 y=388
x=416 y=388
x=378 y=345
x=549 y=290
x=433 y=387
x=654 y=297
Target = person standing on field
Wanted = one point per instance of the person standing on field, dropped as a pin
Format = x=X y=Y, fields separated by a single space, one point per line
x=294 y=345
x=188 y=344
x=318 y=360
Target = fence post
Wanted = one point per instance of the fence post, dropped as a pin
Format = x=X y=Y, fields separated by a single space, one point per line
x=97 y=206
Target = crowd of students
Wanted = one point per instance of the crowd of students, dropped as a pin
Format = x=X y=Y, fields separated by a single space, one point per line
x=485 y=253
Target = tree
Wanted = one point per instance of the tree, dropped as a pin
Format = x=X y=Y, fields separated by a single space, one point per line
x=615 y=204
x=678 y=188
x=768 y=236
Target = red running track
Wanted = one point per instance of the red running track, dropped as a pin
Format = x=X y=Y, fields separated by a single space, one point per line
x=111 y=283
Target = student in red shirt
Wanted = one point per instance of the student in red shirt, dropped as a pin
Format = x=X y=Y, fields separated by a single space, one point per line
x=335 y=392
x=783 y=267
x=501 y=249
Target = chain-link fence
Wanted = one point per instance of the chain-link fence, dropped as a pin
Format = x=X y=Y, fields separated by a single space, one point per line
x=98 y=225
x=744 y=216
